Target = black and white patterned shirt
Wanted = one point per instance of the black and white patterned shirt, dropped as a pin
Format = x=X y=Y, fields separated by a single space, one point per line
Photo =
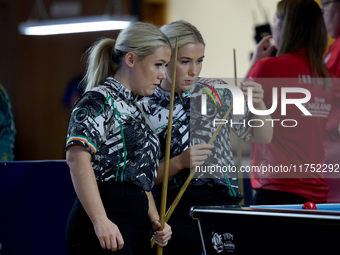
x=108 y=122
x=190 y=127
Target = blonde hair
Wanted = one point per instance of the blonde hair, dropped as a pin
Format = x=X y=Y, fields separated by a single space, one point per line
x=184 y=31
x=105 y=55
x=303 y=26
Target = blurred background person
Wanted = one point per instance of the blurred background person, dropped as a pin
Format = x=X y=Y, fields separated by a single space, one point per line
x=75 y=87
x=7 y=127
x=300 y=36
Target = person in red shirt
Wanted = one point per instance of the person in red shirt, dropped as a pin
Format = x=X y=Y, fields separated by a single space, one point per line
x=331 y=14
x=286 y=172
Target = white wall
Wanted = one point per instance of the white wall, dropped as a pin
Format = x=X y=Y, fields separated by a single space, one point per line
x=225 y=25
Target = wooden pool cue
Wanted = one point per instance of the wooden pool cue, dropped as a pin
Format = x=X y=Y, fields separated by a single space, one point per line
x=167 y=152
x=239 y=150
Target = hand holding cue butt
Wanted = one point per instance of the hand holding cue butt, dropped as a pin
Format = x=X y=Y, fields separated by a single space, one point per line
x=167 y=152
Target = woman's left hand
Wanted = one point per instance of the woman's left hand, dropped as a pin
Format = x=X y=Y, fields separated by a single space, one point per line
x=257 y=93
x=161 y=236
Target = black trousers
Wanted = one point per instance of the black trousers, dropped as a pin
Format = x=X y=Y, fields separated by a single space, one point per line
x=185 y=237
x=127 y=207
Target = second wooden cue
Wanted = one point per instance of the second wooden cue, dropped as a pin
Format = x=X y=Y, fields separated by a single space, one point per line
x=167 y=152
x=239 y=144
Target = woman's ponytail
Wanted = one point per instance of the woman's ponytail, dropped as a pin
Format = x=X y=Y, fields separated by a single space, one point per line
x=100 y=63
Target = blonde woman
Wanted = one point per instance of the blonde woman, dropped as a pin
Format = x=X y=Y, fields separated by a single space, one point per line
x=111 y=150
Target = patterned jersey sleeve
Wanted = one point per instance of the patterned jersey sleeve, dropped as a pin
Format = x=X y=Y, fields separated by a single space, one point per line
x=153 y=109
x=90 y=121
